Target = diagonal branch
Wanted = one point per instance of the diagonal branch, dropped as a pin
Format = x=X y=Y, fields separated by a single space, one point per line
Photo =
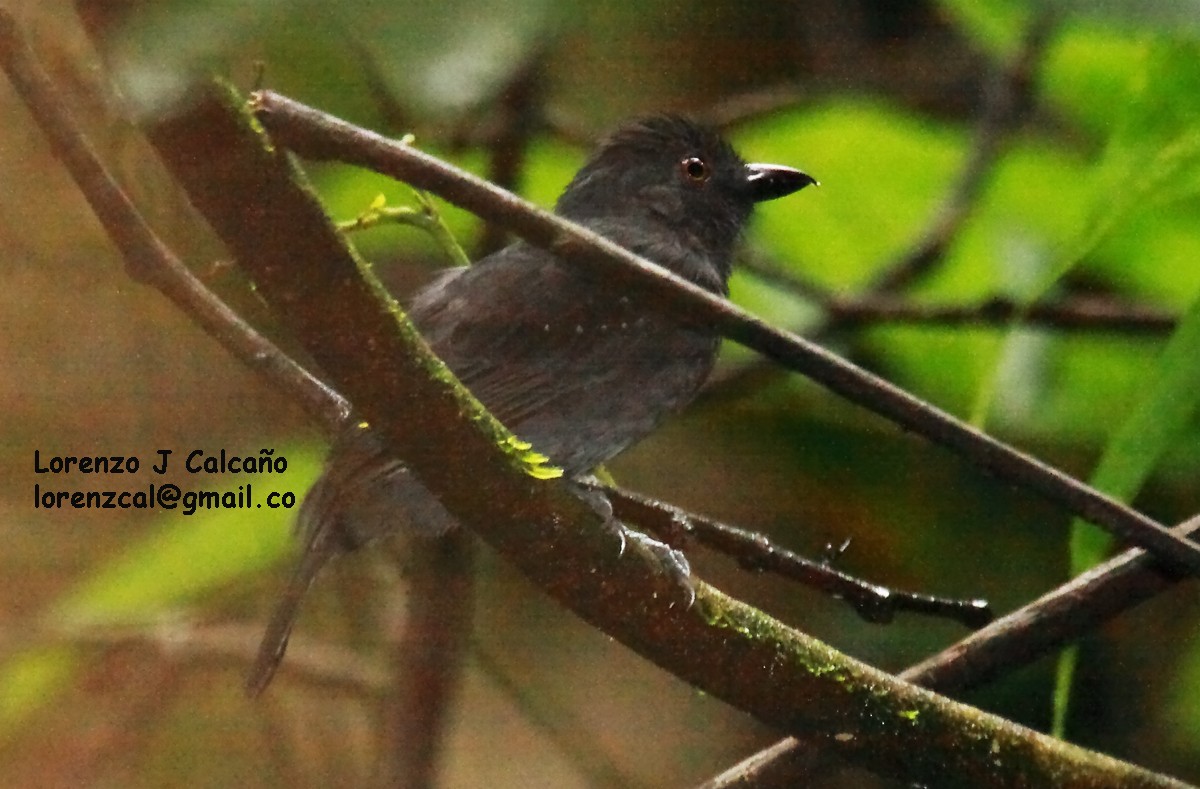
x=1069 y=313
x=1073 y=314
x=148 y=260
x=1017 y=639
x=345 y=320
x=720 y=644
x=1056 y=618
x=1006 y=99
x=753 y=551
x=317 y=135
x=552 y=536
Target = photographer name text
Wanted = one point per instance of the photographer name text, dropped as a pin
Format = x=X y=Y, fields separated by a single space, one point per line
x=196 y=462
x=161 y=495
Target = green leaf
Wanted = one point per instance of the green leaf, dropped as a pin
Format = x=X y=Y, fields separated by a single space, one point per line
x=433 y=56
x=1153 y=158
x=181 y=559
x=1172 y=397
x=550 y=165
x=882 y=171
x=1086 y=73
x=1167 y=16
x=996 y=24
x=1170 y=405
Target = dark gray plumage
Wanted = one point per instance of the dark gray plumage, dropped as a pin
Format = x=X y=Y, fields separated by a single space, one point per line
x=566 y=362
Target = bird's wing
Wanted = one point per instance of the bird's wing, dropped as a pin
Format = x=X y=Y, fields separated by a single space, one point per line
x=515 y=358
x=576 y=367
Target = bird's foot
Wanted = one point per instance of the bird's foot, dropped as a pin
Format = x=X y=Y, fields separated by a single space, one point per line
x=672 y=561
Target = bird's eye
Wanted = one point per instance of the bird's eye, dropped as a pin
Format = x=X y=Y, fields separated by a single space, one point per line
x=695 y=169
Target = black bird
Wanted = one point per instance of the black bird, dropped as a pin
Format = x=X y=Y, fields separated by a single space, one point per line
x=574 y=366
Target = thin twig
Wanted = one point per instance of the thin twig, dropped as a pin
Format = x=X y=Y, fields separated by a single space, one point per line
x=1056 y=618
x=560 y=542
x=425 y=217
x=148 y=260
x=440 y=231
x=1016 y=639
x=1074 y=313
x=753 y=551
x=1006 y=100
x=631 y=580
x=318 y=135
x=1009 y=92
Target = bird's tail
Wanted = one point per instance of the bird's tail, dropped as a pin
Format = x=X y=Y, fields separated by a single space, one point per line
x=363 y=494
x=279 y=628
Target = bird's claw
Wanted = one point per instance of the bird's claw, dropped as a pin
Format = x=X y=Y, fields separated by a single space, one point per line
x=673 y=563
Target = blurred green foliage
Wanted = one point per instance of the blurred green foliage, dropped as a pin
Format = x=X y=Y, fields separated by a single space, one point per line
x=1099 y=192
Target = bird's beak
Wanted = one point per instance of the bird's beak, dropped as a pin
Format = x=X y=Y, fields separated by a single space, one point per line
x=769 y=181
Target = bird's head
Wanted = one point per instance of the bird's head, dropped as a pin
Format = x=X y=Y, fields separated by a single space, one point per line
x=677 y=176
